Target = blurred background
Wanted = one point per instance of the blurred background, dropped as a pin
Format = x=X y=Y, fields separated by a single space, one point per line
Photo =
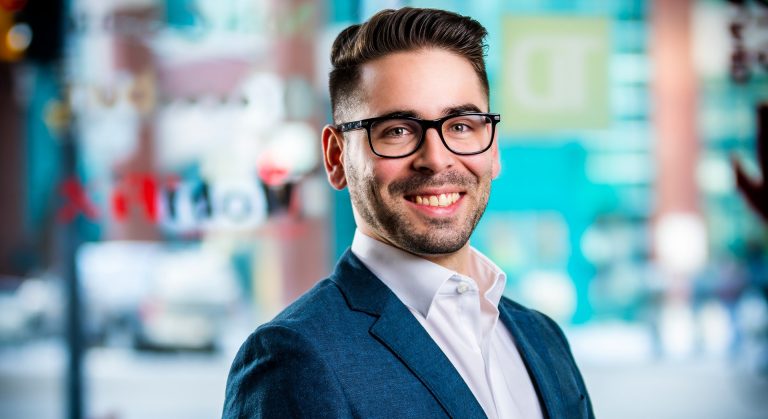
x=162 y=193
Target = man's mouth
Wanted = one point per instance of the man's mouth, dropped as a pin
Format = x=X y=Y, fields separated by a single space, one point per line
x=441 y=200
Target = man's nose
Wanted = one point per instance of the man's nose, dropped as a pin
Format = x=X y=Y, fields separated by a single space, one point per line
x=433 y=156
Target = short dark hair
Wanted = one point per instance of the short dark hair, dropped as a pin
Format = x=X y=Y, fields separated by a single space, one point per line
x=405 y=29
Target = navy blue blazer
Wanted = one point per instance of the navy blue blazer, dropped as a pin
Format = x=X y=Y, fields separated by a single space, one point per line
x=349 y=348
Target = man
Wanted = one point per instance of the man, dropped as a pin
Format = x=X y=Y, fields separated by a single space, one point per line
x=412 y=322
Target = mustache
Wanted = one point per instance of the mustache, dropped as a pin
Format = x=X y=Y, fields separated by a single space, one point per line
x=420 y=181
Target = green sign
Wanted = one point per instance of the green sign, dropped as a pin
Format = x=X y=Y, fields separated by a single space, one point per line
x=554 y=73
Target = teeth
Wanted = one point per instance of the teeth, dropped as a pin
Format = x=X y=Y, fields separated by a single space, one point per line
x=442 y=200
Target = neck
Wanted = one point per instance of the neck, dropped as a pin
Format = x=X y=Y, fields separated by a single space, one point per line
x=457 y=261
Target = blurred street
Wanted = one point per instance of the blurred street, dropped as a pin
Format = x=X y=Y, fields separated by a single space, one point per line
x=125 y=384
x=667 y=390
x=121 y=384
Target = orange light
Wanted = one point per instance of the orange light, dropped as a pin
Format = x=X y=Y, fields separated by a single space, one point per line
x=7 y=53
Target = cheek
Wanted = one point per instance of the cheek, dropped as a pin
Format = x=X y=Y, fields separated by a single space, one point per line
x=363 y=172
x=481 y=166
x=384 y=172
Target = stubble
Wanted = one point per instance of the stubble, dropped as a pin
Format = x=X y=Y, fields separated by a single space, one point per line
x=393 y=221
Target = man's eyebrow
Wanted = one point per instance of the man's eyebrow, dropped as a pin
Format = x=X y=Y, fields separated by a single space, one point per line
x=467 y=107
x=410 y=113
x=400 y=113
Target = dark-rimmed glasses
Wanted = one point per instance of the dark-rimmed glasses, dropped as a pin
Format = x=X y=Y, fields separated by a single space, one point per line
x=465 y=133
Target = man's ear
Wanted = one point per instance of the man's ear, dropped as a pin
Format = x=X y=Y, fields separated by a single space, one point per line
x=333 y=156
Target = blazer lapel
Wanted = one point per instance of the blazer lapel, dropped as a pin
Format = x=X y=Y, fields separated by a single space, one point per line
x=398 y=330
x=401 y=333
x=542 y=365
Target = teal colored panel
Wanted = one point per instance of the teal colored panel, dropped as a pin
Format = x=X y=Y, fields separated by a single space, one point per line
x=343 y=11
x=579 y=268
x=544 y=179
x=539 y=177
x=343 y=218
x=43 y=168
x=181 y=13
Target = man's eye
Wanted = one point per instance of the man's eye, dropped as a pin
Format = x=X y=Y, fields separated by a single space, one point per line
x=397 y=132
x=460 y=128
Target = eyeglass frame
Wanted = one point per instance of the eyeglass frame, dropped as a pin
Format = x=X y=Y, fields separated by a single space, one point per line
x=425 y=124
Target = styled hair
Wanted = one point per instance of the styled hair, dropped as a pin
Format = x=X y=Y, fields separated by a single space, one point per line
x=404 y=29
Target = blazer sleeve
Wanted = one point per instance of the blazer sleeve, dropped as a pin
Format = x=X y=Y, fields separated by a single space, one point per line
x=278 y=373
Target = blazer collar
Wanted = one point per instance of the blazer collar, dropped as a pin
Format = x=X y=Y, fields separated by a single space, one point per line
x=542 y=365
x=401 y=333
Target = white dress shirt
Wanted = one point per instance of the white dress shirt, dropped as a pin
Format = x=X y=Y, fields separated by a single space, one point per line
x=463 y=323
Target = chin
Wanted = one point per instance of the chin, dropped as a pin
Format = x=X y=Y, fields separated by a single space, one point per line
x=428 y=244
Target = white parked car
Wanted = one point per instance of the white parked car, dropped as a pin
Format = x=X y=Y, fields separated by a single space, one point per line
x=163 y=297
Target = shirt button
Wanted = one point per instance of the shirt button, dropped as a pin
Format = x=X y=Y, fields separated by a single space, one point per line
x=462 y=288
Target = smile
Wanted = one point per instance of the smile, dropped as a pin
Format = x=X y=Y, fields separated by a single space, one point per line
x=442 y=200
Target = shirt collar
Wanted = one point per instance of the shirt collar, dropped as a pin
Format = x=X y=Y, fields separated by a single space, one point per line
x=484 y=269
x=415 y=280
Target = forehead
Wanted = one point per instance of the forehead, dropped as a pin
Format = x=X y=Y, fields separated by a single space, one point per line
x=425 y=81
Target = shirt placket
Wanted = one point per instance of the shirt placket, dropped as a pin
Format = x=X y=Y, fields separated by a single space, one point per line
x=475 y=328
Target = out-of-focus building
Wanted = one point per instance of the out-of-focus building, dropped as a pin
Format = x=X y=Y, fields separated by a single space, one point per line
x=200 y=205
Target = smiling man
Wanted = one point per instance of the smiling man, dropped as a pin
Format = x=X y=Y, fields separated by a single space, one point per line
x=412 y=323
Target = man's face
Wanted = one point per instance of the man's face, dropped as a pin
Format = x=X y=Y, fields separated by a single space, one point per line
x=452 y=190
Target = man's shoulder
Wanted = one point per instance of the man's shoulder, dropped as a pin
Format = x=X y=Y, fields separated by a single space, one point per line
x=322 y=312
x=320 y=302
x=319 y=325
